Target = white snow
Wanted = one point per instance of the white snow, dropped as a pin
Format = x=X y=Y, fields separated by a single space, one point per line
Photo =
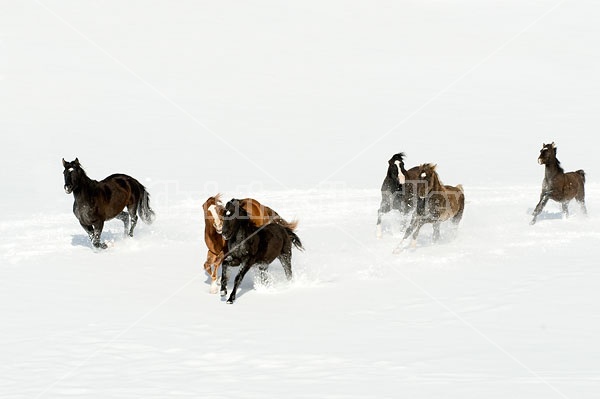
x=299 y=105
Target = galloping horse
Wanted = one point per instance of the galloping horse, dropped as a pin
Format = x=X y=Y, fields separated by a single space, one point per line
x=397 y=189
x=97 y=202
x=213 y=225
x=249 y=245
x=559 y=186
x=437 y=203
x=257 y=213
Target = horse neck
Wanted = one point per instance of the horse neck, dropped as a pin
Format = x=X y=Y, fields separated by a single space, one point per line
x=214 y=240
x=553 y=168
x=436 y=184
x=84 y=186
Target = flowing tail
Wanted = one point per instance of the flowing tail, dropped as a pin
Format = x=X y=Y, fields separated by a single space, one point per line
x=582 y=174
x=144 y=210
x=293 y=225
x=295 y=239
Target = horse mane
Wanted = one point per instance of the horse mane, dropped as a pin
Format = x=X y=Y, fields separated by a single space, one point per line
x=550 y=147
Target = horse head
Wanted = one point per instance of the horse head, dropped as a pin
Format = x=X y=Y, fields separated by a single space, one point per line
x=213 y=212
x=396 y=169
x=73 y=173
x=428 y=178
x=233 y=217
x=547 y=153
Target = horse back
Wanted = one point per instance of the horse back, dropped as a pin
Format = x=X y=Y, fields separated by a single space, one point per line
x=118 y=191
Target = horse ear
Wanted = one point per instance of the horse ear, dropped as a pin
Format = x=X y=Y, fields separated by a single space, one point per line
x=434 y=166
x=64 y=163
x=553 y=145
x=76 y=161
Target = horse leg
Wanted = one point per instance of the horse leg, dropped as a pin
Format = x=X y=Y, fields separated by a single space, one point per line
x=286 y=262
x=238 y=279
x=89 y=229
x=132 y=209
x=582 y=205
x=124 y=217
x=544 y=197
x=224 y=277
x=580 y=198
x=263 y=275
x=436 y=231
x=414 y=225
x=385 y=207
x=565 y=209
x=96 y=235
x=211 y=266
x=215 y=273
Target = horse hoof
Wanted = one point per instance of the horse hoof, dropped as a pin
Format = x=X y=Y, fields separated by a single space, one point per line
x=230 y=301
x=532 y=223
x=213 y=289
x=223 y=292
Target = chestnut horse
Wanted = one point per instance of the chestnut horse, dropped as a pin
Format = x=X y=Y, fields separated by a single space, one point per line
x=437 y=203
x=398 y=189
x=213 y=225
x=99 y=201
x=559 y=186
x=258 y=214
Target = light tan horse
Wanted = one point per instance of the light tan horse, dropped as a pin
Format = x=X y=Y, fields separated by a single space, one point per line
x=437 y=203
x=258 y=214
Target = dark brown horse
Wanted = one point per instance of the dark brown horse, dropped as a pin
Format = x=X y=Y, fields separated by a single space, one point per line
x=398 y=189
x=248 y=245
x=557 y=185
x=437 y=203
x=257 y=213
x=99 y=201
x=213 y=224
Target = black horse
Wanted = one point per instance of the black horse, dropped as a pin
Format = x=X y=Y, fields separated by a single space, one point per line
x=559 y=186
x=398 y=188
x=249 y=245
x=99 y=201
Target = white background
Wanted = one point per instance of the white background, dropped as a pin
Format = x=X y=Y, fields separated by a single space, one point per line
x=300 y=105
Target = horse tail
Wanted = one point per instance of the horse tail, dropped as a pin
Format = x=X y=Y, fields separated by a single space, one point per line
x=293 y=225
x=581 y=173
x=294 y=238
x=144 y=210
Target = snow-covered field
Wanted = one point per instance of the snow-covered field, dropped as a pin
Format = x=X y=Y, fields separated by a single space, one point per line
x=299 y=105
x=501 y=309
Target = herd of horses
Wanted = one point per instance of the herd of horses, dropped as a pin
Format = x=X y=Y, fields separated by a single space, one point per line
x=246 y=233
